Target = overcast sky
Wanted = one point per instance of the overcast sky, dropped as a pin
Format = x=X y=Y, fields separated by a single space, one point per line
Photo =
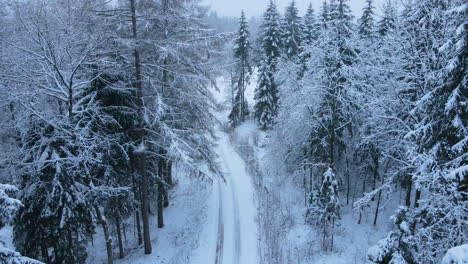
x=257 y=7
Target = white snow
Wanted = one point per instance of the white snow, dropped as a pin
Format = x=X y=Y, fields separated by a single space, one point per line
x=456 y=255
x=231 y=233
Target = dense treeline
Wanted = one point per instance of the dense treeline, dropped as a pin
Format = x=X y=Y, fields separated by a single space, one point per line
x=99 y=101
x=360 y=107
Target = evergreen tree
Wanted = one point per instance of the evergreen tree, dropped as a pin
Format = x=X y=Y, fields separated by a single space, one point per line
x=387 y=22
x=266 y=97
x=325 y=14
x=266 y=93
x=311 y=31
x=8 y=207
x=270 y=35
x=436 y=86
x=366 y=26
x=324 y=208
x=394 y=248
x=332 y=84
x=243 y=71
x=441 y=135
x=311 y=27
x=291 y=28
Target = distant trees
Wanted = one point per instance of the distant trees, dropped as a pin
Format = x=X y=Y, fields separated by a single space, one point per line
x=292 y=30
x=243 y=72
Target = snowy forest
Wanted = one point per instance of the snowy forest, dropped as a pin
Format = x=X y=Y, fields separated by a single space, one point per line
x=157 y=131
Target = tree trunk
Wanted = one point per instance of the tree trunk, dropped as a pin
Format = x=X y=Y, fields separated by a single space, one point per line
x=107 y=237
x=166 y=173
x=160 y=200
x=138 y=200
x=45 y=254
x=417 y=196
x=140 y=154
x=363 y=191
x=119 y=237
x=169 y=179
x=347 y=181
x=332 y=234
x=408 y=194
x=376 y=174
x=377 y=207
x=160 y=205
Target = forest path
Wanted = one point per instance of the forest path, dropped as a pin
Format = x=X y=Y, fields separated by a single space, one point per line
x=231 y=232
x=237 y=228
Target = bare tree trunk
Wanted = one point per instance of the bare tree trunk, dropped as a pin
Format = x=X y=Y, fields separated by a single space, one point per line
x=363 y=191
x=140 y=154
x=377 y=207
x=408 y=194
x=160 y=200
x=160 y=205
x=166 y=174
x=45 y=254
x=138 y=227
x=417 y=196
x=107 y=237
x=376 y=174
x=169 y=179
x=119 y=237
x=332 y=234
x=348 y=183
x=138 y=200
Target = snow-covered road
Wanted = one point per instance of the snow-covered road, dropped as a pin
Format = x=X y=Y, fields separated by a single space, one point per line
x=231 y=235
x=237 y=228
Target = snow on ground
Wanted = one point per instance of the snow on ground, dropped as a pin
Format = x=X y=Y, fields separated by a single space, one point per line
x=285 y=236
x=456 y=255
x=236 y=227
x=173 y=244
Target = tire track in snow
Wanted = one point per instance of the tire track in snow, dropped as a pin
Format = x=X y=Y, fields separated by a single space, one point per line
x=220 y=239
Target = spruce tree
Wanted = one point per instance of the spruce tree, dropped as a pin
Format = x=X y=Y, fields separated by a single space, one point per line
x=366 y=26
x=331 y=113
x=266 y=93
x=441 y=135
x=387 y=22
x=291 y=28
x=243 y=71
x=324 y=14
x=266 y=97
x=324 y=208
x=311 y=27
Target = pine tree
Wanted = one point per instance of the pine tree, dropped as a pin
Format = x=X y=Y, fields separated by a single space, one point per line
x=366 y=26
x=240 y=109
x=266 y=93
x=291 y=28
x=324 y=208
